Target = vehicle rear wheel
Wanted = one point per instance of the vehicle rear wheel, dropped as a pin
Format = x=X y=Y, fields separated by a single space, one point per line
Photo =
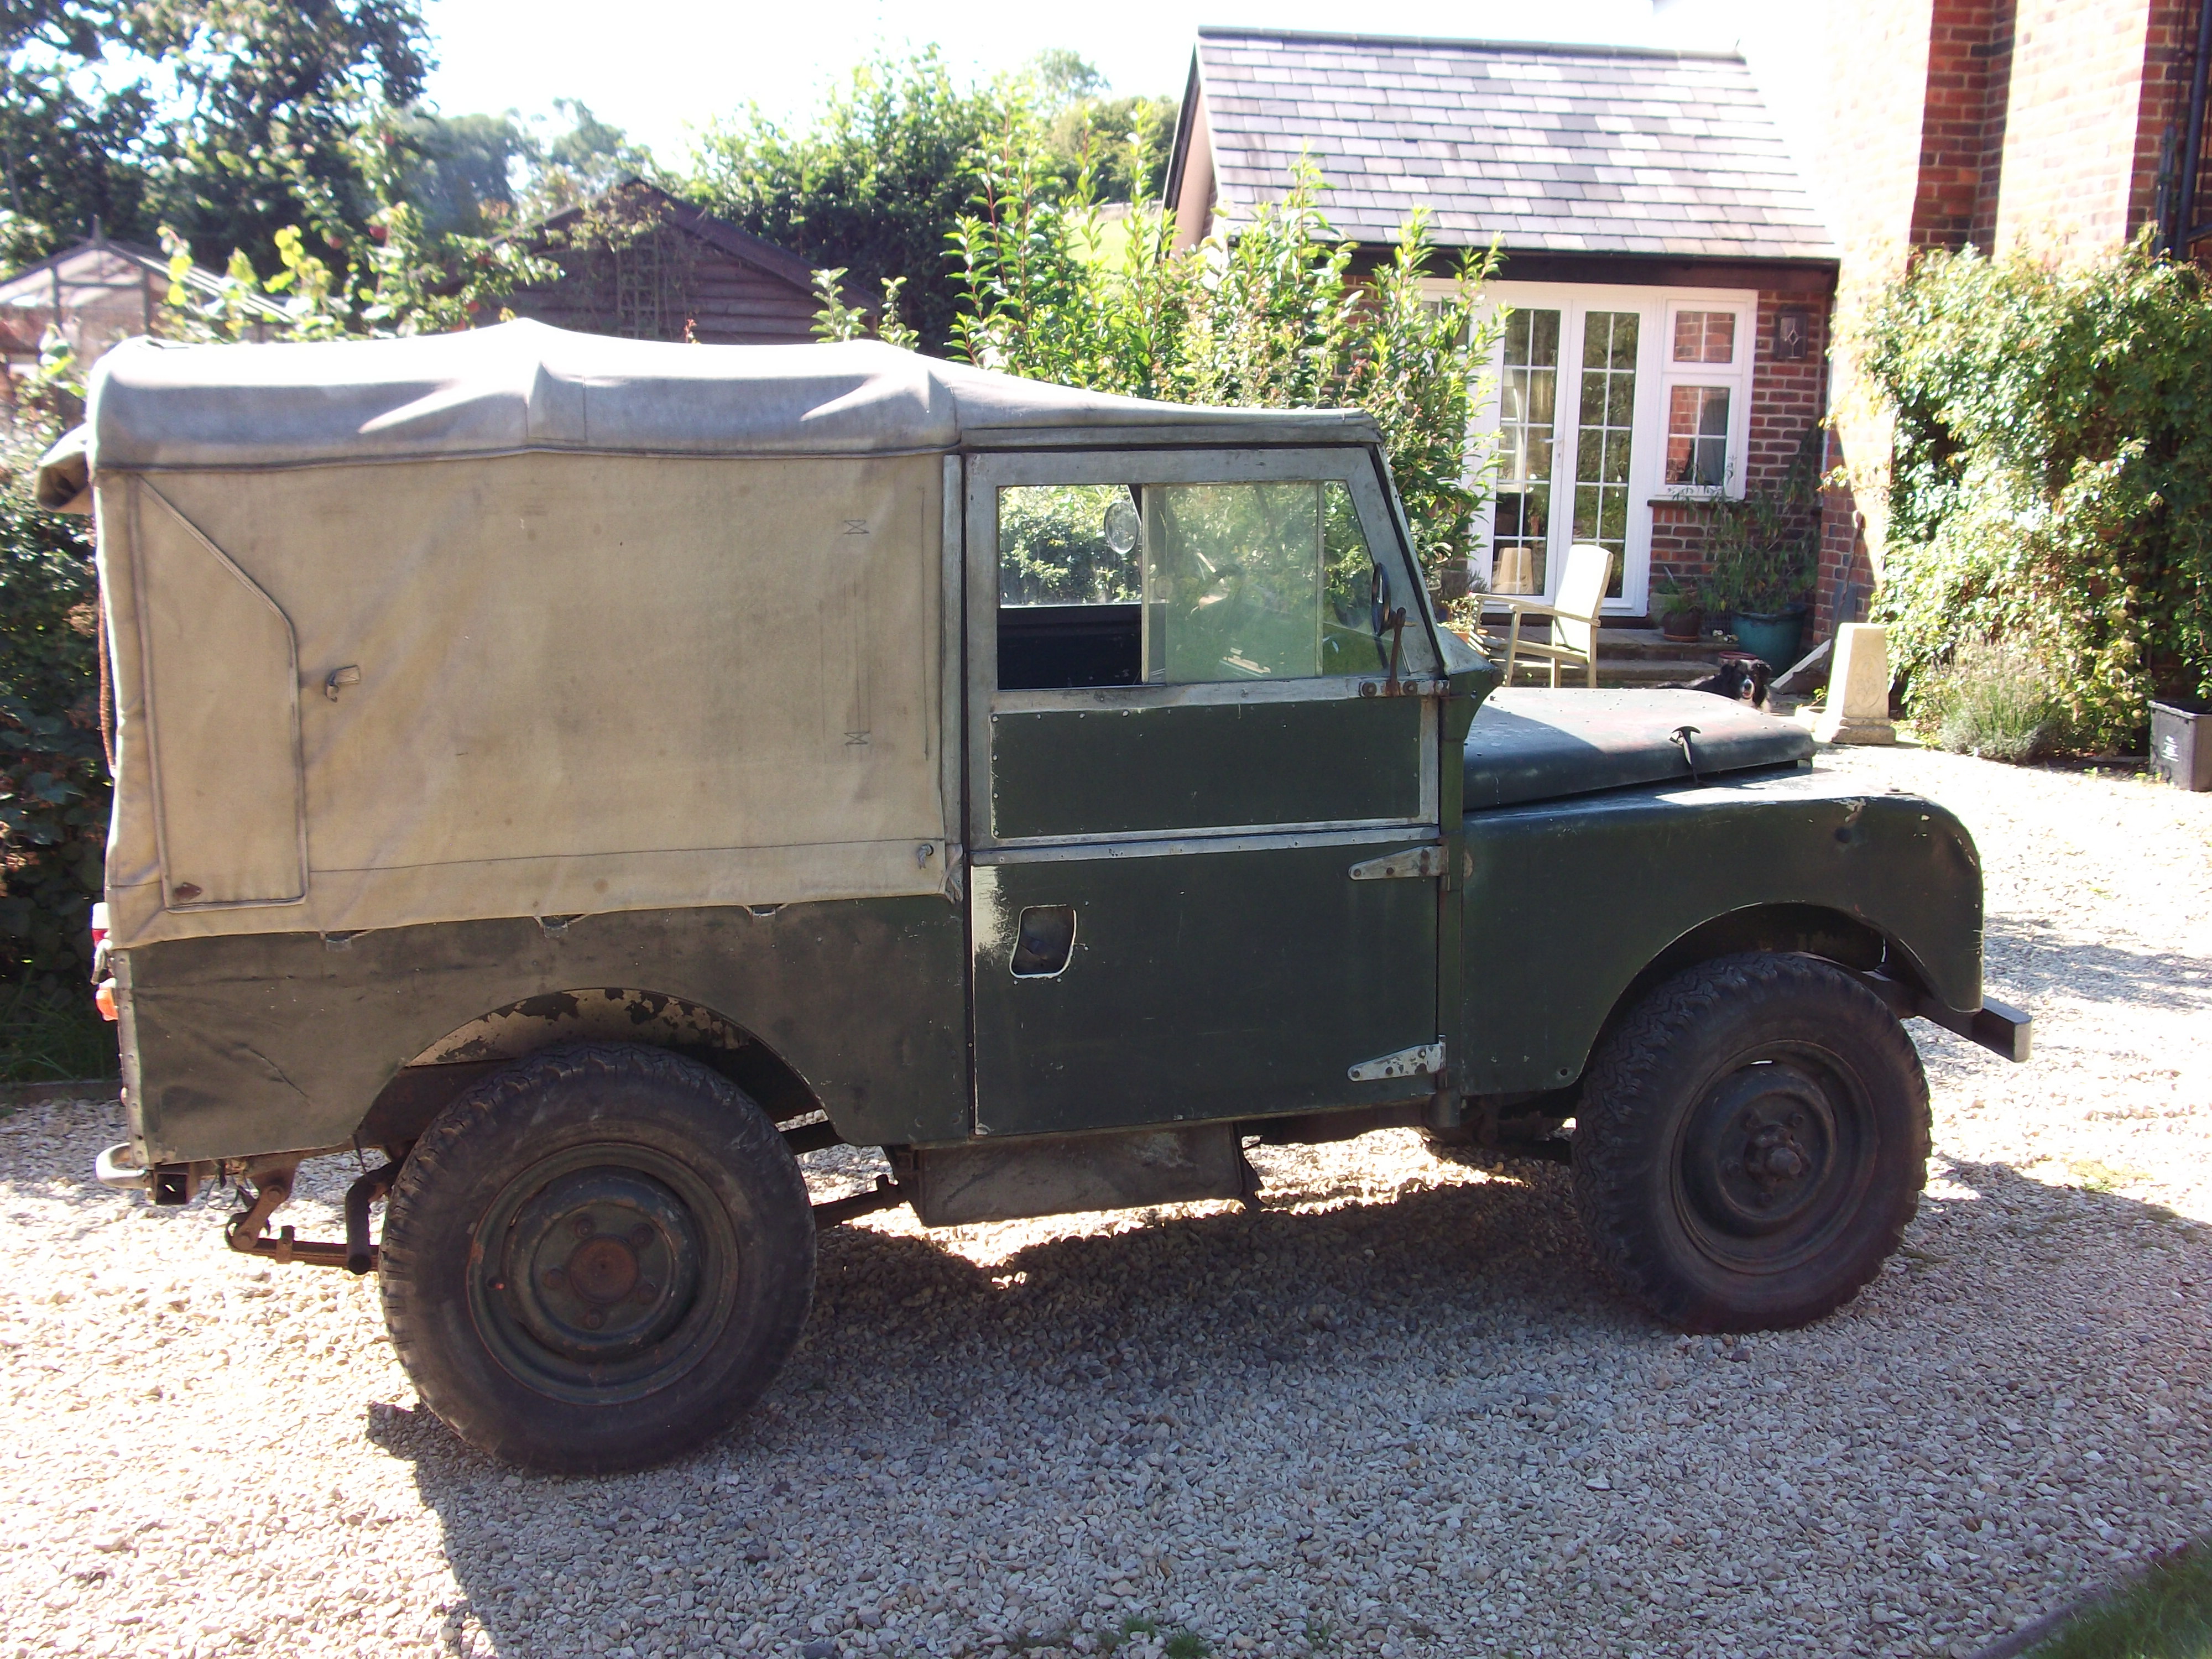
x=596 y=1258
x=1750 y=1141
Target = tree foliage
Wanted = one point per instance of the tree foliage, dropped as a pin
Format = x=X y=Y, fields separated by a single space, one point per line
x=877 y=181
x=872 y=185
x=2051 y=485
x=53 y=773
x=1271 y=316
x=262 y=101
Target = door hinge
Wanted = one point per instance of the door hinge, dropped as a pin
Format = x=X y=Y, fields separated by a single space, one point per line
x=1406 y=1062
x=1416 y=861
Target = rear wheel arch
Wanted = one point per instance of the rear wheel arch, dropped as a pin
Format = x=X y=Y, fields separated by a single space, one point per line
x=419 y=1090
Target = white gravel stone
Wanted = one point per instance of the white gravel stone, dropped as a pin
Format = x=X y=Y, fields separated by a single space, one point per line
x=1393 y=1415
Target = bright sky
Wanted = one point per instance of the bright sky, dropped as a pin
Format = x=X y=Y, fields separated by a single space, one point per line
x=655 y=67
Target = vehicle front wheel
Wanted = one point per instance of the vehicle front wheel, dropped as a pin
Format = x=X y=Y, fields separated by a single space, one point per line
x=596 y=1258
x=1750 y=1141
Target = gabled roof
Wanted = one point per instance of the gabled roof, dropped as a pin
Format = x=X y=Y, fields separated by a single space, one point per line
x=1550 y=149
x=740 y=245
x=522 y=386
x=101 y=267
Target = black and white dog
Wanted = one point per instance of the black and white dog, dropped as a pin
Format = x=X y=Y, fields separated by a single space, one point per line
x=1740 y=678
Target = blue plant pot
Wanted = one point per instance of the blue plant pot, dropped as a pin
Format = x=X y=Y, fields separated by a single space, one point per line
x=1776 y=641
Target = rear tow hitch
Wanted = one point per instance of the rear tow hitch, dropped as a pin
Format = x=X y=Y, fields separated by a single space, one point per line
x=273 y=1187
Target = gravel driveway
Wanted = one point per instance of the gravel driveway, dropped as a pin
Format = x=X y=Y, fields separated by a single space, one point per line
x=1391 y=1414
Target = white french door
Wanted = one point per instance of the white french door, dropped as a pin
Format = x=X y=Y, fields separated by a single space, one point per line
x=1604 y=399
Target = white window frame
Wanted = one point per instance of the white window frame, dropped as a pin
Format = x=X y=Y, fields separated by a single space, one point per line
x=1656 y=375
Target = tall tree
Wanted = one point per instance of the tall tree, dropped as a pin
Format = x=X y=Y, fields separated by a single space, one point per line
x=274 y=94
x=74 y=155
x=875 y=184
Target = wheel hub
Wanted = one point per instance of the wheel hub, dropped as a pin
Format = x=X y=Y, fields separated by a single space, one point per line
x=1762 y=1151
x=600 y=1264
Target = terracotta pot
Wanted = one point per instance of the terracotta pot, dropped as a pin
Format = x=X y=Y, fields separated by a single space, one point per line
x=1683 y=624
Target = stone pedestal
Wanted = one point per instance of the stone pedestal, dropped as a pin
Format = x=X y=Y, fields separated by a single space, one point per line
x=1858 y=688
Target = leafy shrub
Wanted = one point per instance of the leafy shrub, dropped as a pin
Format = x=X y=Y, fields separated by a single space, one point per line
x=1766 y=548
x=1993 y=700
x=53 y=772
x=2051 y=483
x=1272 y=317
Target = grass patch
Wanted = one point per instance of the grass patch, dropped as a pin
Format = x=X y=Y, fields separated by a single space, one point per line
x=2098 y=1177
x=1993 y=701
x=2165 y=1614
x=1176 y=1644
x=50 y=1032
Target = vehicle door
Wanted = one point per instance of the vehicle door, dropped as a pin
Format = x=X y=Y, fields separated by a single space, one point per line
x=1203 y=701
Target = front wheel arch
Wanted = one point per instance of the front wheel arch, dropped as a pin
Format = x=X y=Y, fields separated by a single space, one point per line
x=1809 y=930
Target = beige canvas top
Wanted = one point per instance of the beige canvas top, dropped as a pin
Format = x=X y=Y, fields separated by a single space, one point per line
x=599 y=625
x=523 y=385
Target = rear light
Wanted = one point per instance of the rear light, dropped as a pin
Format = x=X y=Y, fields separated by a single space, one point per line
x=104 y=999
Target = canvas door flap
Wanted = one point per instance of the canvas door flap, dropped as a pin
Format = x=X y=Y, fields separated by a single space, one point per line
x=221 y=694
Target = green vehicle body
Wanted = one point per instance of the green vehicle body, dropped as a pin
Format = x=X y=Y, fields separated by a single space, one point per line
x=1226 y=968
x=1176 y=913
x=595 y=774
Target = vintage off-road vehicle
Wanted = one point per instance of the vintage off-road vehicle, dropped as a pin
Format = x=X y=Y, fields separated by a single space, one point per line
x=587 y=775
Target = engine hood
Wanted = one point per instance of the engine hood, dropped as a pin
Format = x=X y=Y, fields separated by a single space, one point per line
x=1531 y=745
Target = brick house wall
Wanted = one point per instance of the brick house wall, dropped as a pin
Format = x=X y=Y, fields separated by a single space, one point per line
x=1787 y=400
x=2086 y=107
x=2031 y=125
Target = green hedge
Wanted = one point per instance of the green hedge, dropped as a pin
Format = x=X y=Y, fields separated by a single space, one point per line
x=53 y=771
x=2051 y=485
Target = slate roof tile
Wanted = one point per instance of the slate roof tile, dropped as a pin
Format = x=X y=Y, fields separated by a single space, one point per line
x=1558 y=148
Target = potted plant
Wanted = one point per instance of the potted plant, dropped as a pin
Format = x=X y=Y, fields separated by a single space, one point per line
x=1765 y=555
x=1681 y=608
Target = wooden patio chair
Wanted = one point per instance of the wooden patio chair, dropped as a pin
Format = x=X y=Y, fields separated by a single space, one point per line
x=1573 y=617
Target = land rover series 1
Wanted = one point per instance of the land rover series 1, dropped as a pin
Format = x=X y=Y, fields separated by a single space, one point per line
x=581 y=776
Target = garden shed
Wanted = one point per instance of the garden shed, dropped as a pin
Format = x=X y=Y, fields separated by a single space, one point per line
x=638 y=263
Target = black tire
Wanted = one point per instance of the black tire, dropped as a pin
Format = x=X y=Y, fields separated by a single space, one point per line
x=668 y=1245
x=1751 y=1142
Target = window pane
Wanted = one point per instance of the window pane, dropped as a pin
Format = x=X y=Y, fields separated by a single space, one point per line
x=1349 y=641
x=1697 y=435
x=1070 y=574
x=1528 y=393
x=1704 y=337
x=1604 y=438
x=1257 y=582
x=1057 y=544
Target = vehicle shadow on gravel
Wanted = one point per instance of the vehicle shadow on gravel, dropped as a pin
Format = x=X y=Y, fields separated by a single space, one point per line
x=929 y=1364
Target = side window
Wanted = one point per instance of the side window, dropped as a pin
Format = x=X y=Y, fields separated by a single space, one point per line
x=1069 y=584
x=1187 y=584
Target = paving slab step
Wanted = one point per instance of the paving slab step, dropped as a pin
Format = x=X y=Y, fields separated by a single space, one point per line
x=1621 y=671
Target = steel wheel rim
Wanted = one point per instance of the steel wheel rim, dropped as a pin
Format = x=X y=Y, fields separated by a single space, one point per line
x=603 y=1274
x=1774 y=1160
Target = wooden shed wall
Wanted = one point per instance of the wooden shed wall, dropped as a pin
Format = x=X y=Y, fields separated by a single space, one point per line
x=665 y=280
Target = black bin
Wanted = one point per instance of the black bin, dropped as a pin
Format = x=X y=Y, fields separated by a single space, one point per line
x=2181 y=744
